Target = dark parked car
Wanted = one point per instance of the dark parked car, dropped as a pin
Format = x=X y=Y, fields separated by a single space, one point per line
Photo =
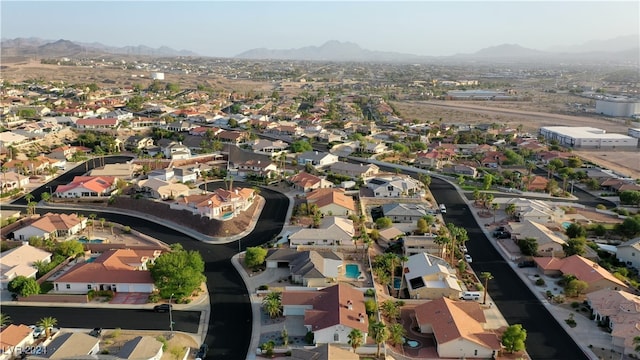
x=526 y=264
x=202 y=352
x=501 y=234
x=96 y=332
x=162 y=307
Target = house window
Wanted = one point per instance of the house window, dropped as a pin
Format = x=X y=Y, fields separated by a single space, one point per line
x=475 y=352
x=633 y=254
x=88 y=286
x=68 y=286
x=336 y=337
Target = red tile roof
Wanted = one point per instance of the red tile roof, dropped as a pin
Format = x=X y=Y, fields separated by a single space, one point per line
x=327 y=196
x=113 y=266
x=94 y=183
x=330 y=307
x=582 y=268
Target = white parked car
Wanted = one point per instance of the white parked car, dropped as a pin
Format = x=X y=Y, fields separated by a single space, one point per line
x=468 y=258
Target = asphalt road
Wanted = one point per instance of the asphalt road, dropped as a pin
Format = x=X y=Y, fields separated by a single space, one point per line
x=546 y=339
x=229 y=331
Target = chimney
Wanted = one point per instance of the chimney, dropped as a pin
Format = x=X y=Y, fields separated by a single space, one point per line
x=349 y=304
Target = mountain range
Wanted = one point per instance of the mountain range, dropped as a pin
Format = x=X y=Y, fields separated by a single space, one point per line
x=59 y=48
x=622 y=49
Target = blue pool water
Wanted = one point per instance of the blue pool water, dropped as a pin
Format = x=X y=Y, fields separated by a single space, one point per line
x=566 y=225
x=352 y=271
x=397 y=282
x=92 y=241
x=90 y=260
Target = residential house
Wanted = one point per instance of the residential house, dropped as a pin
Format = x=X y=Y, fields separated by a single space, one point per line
x=430 y=277
x=533 y=210
x=583 y=269
x=163 y=190
x=164 y=174
x=121 y=115
x=334 y=232
x=331 y=201
x=64 y=152
x=176 y=151
x=535 y=183
x=86 y=186
x=354 y=171
x=619 y=311
x=14 y=338
x=147 y=122
x=317 y=159
x=310 y=268
x=119 y=270
x=184 y=174
x=97 y=123
x=10 y=138
x=12 y=180
x=417 y=244
x=459 y=329
x=19 y=261
x=619 y=185
x=389 y=234
x=493 y=159
x=307 y=182
x=181 y=126
x=370 y=147
x=138 y=142
x=461 y=169
x=549 y=243
x=266 y=169
x=264 y=146
x=221 y=204
x=395 y=186
x=404 y=213
x=330 y=314
x=141 y=348
x=232 y=137
x=629 y=252
x=56 y=226
x=71 y=345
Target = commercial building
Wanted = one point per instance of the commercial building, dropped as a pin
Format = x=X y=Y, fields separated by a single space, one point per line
x=618 y=106
x=587 y=137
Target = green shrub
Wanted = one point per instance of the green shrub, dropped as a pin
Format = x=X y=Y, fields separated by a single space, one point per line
x=575 y=304
x=540 y=282
x=308 y=338
x=370 y=292
x=164 y=342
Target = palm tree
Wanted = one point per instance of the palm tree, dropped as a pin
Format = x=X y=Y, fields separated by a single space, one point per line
x=31 y=207
x=396 y=333
x=4 y=320
x=380 y=334
x=510 y=210
x=28 y=197
x=486 y=276
x=93 y=218
x=495 y=207
x=356 y=339
x=102 y=221
x=47 y=323
x=272 y=304
x=442 y=242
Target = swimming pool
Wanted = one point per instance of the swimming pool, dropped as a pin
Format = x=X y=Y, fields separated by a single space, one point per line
x=92 y=241
x=90 y=260
x=411 y=343
x=352 y=271
x=566 y=225
x=397 y=282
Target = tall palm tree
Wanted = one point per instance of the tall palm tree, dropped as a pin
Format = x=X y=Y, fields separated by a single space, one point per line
x=494 y=207
x=28 y=197
x=486 y=276
x=47 y=324
x=380 y=335
x=356 y=339
x=45 y=196
x=510 y=210
x=4 y=320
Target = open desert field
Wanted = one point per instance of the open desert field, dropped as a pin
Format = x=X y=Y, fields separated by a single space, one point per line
x=622 y=162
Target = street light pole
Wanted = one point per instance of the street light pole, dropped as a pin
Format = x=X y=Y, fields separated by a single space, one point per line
x=170 y=315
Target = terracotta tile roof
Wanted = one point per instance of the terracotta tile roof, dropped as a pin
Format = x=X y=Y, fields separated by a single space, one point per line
x=453 y=320
x=98 y=122
x=305 y=180
x=583 y=269
x=51 y=222
x=327 y=196
x=113 y=266
x=94 y=183
x=12 y=335
x=330 y=307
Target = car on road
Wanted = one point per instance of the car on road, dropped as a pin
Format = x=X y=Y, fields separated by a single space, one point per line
x=162 y=308
x=96 y=332
x=502 y=234
x=202 y=352
x=468 y=258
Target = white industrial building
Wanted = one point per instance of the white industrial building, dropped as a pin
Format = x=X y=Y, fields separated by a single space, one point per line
x=157 y=76
x=634 y=133
x=618 y=106
x=587 y=137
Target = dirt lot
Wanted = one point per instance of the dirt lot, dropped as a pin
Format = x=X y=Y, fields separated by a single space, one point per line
x=622 y=162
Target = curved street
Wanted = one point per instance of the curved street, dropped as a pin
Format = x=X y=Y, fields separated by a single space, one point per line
x=229 y=329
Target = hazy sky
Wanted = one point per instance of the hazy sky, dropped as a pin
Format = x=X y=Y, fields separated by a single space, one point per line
x=227 y=28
